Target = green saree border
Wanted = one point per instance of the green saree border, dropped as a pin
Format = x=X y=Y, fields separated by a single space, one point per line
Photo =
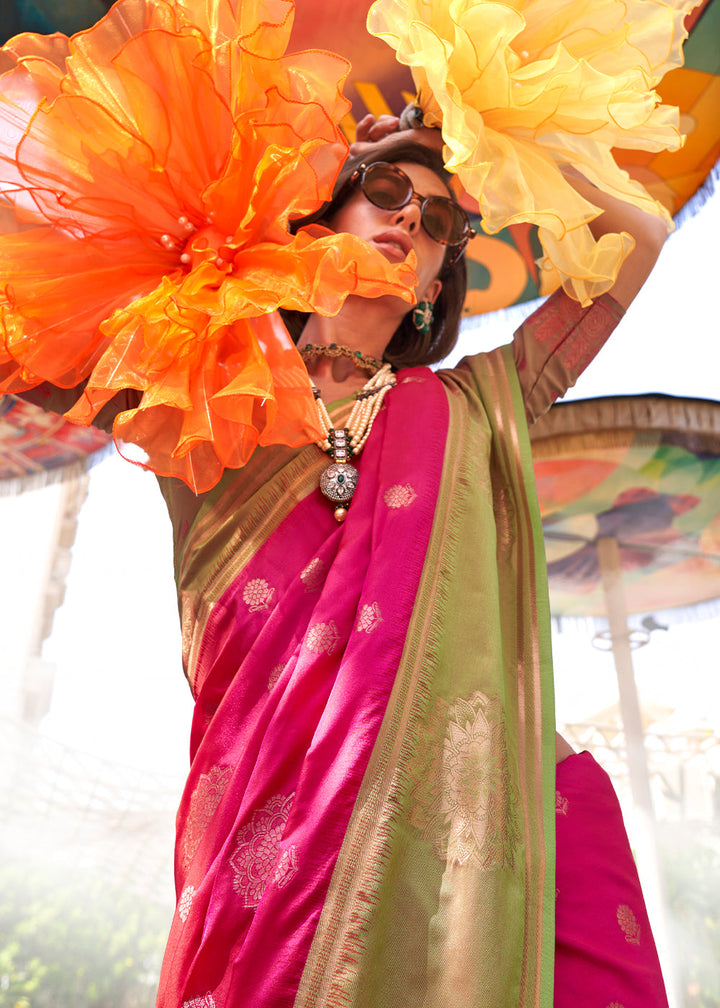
x=538 y=642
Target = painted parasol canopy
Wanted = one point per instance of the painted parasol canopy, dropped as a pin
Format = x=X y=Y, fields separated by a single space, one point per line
x=502 y=268
x=644 y=470
x=36 y=446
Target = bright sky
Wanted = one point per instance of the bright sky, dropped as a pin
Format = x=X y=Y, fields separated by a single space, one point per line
x=119 y=691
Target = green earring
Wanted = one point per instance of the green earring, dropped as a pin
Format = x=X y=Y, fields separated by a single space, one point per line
x=422 y=316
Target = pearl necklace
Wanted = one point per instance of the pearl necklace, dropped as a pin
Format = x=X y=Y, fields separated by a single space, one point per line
x=339 y=481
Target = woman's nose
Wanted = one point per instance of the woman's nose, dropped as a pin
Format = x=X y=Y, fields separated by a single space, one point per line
x=409 y=215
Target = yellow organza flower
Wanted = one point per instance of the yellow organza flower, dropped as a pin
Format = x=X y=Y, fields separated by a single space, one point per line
x=155 y=162
x=524 y=87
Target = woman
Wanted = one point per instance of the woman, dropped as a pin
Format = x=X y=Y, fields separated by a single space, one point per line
x=369 y=814
x=368 y=817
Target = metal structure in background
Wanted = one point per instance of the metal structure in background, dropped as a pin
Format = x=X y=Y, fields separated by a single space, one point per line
x=64 y=809
x=683 y=767
x=60 y=808
x=37 y=676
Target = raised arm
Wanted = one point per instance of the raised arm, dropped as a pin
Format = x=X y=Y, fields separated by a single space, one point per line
x=558 y=341
x=647 y=231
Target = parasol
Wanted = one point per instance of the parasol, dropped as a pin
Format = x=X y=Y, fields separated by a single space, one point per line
x=644 y=472
x=629 y=492
x=37 y=447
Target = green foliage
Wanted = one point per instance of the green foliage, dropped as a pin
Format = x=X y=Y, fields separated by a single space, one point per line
x=691 y=857
x=72 y=943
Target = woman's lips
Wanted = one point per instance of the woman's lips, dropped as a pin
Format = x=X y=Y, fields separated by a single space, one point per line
x=395 y=245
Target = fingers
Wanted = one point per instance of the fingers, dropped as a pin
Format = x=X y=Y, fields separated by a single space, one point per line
x=370 y=129
x=428 y=137
x=385 y=129
x=363 y=128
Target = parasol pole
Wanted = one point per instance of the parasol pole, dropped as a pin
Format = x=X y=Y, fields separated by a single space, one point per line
x=38 y=674
x=609 y=556
x=644 y=813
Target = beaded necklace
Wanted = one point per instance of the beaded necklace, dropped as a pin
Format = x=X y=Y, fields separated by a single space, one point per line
x=339 y=480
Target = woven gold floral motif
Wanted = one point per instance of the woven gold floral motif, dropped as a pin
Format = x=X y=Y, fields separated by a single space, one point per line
x=205 y=800
x=256 y=859
x=258 y=594
x=208 y=1001
x=313 y=575
x=400 y=496
x=185 y=902
x=275 y=673
x=629 y=924
x=322 y=637
x=369 y=619
x=287 y=866
x=463 y=798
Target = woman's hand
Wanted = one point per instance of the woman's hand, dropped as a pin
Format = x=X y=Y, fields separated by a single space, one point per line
x=563 y=749
x=374 y=134
x=370 y=131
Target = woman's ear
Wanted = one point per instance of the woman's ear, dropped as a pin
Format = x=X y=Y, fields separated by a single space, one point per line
x=433 y=291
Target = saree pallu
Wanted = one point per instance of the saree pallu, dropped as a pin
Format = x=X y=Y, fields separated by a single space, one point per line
x=368 y=817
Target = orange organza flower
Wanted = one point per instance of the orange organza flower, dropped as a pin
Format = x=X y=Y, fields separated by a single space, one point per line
x=525 y=87
x=155 y=162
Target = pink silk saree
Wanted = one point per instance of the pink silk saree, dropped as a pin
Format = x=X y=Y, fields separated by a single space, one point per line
x=368 y=818
x=604 y=949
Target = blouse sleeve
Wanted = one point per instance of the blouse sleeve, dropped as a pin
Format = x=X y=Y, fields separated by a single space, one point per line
x=556 y=343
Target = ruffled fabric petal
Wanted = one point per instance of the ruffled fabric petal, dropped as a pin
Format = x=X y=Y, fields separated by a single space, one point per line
x=524 y=87
x=159 y=158
x=219 y=373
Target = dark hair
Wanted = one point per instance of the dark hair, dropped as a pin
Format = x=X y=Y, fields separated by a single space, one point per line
x=408 y=347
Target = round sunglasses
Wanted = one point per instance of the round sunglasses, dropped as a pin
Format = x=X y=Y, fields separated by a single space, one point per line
x=389 y=188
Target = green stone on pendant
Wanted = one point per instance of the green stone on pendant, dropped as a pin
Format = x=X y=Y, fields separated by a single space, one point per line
x=341 y=478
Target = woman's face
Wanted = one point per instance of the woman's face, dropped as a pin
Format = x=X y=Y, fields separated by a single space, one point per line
x=395 y=232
